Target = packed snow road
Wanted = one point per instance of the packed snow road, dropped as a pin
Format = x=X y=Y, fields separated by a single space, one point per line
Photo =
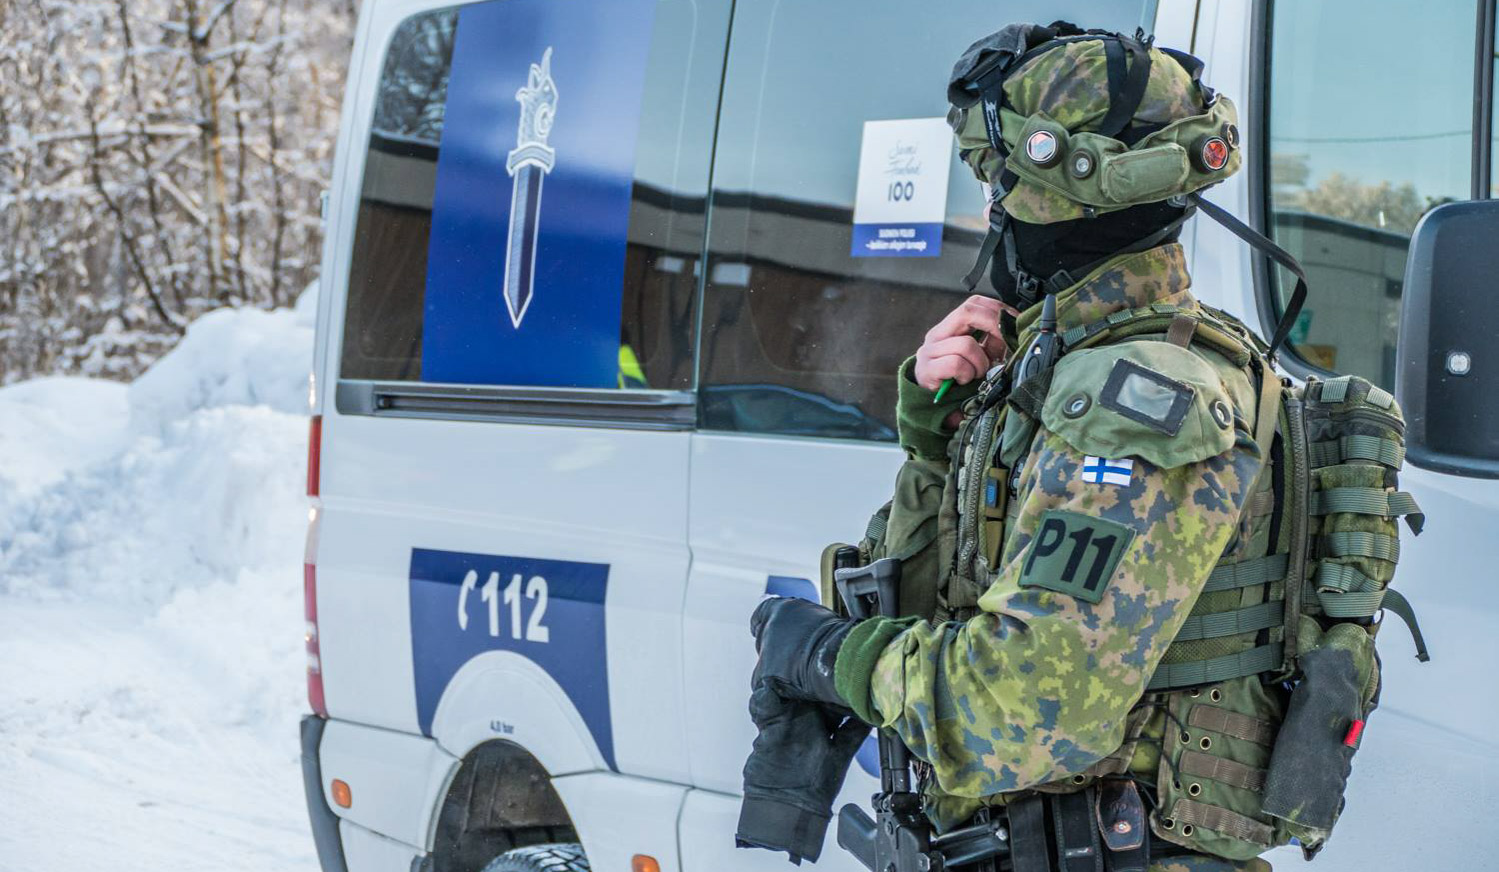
x=151 y=663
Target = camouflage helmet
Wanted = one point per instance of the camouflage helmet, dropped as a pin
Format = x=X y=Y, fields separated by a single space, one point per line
x=1064 y=123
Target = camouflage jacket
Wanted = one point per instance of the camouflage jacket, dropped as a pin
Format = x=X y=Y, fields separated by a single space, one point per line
x=1125 y=497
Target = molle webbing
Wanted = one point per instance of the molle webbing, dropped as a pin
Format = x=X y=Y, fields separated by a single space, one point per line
x=1260 y=504
x=1263 y=658
x=1222 y=770
x=1261 y=570
x=1373 y=448
x=1231 y=723
x=1357 y=543
x=1249 y=619
x=1185 y=811
x=1369 y=501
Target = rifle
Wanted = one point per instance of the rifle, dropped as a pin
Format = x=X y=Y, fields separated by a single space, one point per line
x=899 y=838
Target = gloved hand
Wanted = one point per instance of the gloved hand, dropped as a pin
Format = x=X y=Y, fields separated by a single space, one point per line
x=798 y=643
x=794 y=772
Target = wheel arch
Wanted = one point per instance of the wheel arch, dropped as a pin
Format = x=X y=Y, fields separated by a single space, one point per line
x=501 y=797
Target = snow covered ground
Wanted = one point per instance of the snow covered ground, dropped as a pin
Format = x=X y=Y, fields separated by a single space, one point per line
x=151 y=660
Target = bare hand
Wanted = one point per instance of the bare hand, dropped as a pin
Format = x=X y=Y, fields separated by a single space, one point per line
x=951 y=352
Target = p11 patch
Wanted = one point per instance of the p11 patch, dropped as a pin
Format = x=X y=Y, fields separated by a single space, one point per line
x=1075 y=554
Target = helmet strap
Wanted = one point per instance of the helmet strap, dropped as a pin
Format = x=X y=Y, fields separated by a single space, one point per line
x=1272 y=251
x=1126 y=89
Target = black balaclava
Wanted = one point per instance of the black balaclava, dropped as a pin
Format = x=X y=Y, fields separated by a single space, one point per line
x=1043 y=249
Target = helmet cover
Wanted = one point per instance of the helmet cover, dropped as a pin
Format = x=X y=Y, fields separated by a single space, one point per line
x=1053 y=164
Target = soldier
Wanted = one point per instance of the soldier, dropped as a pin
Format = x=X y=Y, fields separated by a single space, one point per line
x=1057 y=523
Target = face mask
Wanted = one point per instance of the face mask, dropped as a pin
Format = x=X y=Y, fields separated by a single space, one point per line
x=1077 y=247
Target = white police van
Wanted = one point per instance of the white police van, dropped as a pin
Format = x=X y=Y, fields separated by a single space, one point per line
x=614 y=295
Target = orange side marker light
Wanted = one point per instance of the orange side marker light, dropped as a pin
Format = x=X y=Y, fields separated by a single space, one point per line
x=342 y=796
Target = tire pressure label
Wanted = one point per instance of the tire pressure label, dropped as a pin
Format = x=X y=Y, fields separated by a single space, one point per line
x=549 y=611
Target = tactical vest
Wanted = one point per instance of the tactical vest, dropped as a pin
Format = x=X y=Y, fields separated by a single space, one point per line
x=1259 y=702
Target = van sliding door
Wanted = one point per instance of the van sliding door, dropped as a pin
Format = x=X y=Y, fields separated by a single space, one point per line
x=840 y=225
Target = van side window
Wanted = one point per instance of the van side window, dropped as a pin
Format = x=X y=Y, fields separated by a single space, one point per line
x=383 y=320
x=533 y=215
x=806 y=316
x=1360 y=146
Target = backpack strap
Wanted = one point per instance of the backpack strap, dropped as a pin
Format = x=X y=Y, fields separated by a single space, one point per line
x=1370 y=501
x=1347 y=594
x=1262 y=658
x=1159 y=318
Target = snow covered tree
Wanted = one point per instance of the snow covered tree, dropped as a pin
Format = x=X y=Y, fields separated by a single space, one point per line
x=158 y=159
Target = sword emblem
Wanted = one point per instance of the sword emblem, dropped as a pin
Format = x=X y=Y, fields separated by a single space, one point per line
x=528 y=164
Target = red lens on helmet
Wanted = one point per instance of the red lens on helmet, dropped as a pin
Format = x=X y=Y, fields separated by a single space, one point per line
x=1215 y=154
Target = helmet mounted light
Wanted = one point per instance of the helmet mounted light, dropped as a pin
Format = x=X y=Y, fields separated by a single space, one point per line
x=1074 y=123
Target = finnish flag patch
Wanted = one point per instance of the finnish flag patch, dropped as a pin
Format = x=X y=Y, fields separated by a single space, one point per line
x=1102 y=470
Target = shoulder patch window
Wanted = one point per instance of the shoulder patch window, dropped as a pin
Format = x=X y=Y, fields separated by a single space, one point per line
x=1146 y=396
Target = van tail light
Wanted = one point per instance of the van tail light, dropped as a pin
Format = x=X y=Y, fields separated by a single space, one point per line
x=309 y=606
x=314 y=653
x=314 y=454
x=315 y=696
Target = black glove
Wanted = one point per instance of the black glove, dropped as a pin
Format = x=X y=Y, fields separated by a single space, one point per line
x=793 y=773
x=798 y=643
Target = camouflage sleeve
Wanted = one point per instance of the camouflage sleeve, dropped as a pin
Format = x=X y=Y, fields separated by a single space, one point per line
x=1098 y=575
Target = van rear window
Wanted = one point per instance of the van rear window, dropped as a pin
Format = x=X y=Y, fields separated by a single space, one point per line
x=531 y=210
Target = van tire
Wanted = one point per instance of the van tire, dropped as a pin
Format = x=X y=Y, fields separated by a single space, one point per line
x=556 y=857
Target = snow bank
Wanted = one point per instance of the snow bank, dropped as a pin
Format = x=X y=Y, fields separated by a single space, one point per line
x=218 y=491
x=151 y=663
x=231 y=357
x=51 y=425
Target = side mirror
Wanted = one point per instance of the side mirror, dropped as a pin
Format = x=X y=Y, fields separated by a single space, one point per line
x=1447 y=377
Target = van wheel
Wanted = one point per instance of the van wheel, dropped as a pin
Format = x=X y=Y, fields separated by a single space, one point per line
x=557 y=857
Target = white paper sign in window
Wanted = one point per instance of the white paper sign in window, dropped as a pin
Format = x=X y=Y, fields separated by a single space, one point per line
x=902 y=195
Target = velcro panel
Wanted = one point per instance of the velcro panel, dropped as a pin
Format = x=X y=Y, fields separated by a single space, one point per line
x=1152 y=400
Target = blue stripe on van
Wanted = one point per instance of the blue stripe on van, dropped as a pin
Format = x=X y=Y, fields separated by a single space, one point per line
x=549 y=611
x=786 y=585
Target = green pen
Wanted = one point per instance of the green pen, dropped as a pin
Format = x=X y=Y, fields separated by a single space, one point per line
x=978 y=336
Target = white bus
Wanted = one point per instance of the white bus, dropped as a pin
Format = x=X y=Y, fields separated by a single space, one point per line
x=605 y=353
